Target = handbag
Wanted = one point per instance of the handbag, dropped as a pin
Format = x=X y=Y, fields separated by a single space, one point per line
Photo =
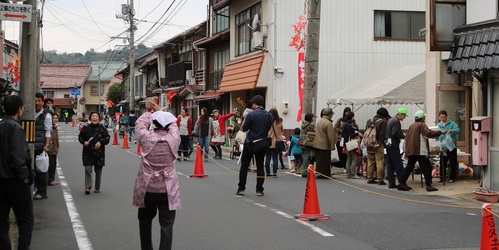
x=279 y=145
x=308 y=139
x=352 y=145
x=42 y=162
x=260 y=145
x=334 y=155
x=240 y=136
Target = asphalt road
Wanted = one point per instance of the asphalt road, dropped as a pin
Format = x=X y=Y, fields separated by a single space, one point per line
x=213 y=217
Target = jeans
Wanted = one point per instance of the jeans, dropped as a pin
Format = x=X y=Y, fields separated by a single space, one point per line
x=16 y=194
x=298 y=161
x=246 y=157
x=394 y=163
x=184 y=146
x=88 y=176
x=204 y=142
x=131 y=130
x=351 y=162
x=156 y=202
x=52 y=167
x=271 y=152
x=424 y=164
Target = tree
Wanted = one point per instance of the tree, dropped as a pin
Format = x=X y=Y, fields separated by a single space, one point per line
x=114 y=93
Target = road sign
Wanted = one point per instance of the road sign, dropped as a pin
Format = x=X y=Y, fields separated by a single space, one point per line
x=75 y=91
x=15 y=12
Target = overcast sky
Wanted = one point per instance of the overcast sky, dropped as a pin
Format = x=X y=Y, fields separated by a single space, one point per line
x=79 y=25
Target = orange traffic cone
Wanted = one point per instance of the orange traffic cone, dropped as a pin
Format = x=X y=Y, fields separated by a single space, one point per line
x=311 y=208
x=138 y=149
x=125 y=141
x=488 y=239
x=115 y=139
x=198 y=166
x=72 y=122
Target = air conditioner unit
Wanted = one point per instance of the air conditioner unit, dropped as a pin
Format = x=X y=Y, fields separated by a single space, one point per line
x=257 y=40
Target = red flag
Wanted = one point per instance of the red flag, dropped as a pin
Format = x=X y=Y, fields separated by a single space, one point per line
x=301 y=80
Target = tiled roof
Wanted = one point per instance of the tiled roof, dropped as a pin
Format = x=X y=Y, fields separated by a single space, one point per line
x=475 y=48
x=63 y=76
x=62 y=101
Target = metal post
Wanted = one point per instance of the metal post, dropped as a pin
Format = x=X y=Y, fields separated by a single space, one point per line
x=131 y=13
x=98 y=71
x=76 y=101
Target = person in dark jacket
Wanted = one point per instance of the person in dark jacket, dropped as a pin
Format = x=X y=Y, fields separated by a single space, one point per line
x=43 y=134
x=307 y=125
x=16 y=176
x=350 y=133
x=257 y=124
x=94 y=137
x=376 y=156
x=338 y=128
x=394 y=159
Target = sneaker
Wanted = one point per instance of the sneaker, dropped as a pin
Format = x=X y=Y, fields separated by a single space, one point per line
x=381 y=182
x=292 y=171
x=135 y=142
x=39 y=197
x=53 y=183
x=240 y=192
x=451 y=181
x=372 y=181
x=185 y=158
x=259 y=193
x=431 y=188
x=354 y=177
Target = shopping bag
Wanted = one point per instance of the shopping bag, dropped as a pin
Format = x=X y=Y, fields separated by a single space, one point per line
x=352 y=145
x=448 y=143
x=240 y=136
x=42 y=162
x=334 y=156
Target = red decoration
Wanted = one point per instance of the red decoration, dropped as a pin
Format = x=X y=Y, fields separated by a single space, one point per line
x=13 y=68
x=110 y=103
x=298 y=40
x=170 y=95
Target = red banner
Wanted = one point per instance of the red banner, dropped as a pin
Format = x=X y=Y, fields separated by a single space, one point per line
x=301 y=80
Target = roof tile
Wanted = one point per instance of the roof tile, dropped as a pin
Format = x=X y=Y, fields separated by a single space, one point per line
x=59 y=76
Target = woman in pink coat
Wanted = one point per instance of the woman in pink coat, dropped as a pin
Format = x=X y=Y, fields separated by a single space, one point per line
x=156 y=186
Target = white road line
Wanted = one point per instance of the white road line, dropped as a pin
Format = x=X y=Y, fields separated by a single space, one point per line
x=78 y=228
x=287 y=216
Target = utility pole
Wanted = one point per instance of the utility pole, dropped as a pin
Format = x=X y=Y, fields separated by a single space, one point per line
x=100 y=93
x=30 y=83
x=131 y=16
x=311 y=56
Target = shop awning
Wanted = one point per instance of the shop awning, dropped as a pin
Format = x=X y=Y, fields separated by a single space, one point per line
x=475 y=48
x=242 y=73
x=208 y=96
x=404 y=85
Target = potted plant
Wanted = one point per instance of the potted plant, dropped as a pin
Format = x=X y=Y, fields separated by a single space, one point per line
x=486 y=195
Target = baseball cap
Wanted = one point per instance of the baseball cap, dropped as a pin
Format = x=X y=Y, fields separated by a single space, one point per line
x=419 y=114
x=215 y=110
x=403 y=111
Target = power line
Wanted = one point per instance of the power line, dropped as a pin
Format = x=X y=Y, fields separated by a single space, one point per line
x=166 y=11
x=90 y=15
x=82 y=17
x=170 y=16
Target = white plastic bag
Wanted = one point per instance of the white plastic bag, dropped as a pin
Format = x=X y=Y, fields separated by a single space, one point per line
x=334 y=155
x=448 y=143
x=42 y=162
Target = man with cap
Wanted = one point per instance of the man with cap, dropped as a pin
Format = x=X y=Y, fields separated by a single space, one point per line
x=218 y=135
x=376 y=156
x=417 y=149
x=156 y=185
x=257 y=125
x=324 y=142
x=394 y=135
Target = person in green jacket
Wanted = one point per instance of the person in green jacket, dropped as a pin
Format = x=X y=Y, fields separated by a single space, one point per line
x=448 y=126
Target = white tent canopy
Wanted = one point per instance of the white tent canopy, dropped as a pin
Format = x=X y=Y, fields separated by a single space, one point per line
x=404 y=85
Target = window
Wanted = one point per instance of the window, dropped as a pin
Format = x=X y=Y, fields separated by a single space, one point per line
x=243 y=31
x=220 y=58
x=49 y=93
x=94 y=90
x=66 y=95
x=221 y=20
x=398 y=25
